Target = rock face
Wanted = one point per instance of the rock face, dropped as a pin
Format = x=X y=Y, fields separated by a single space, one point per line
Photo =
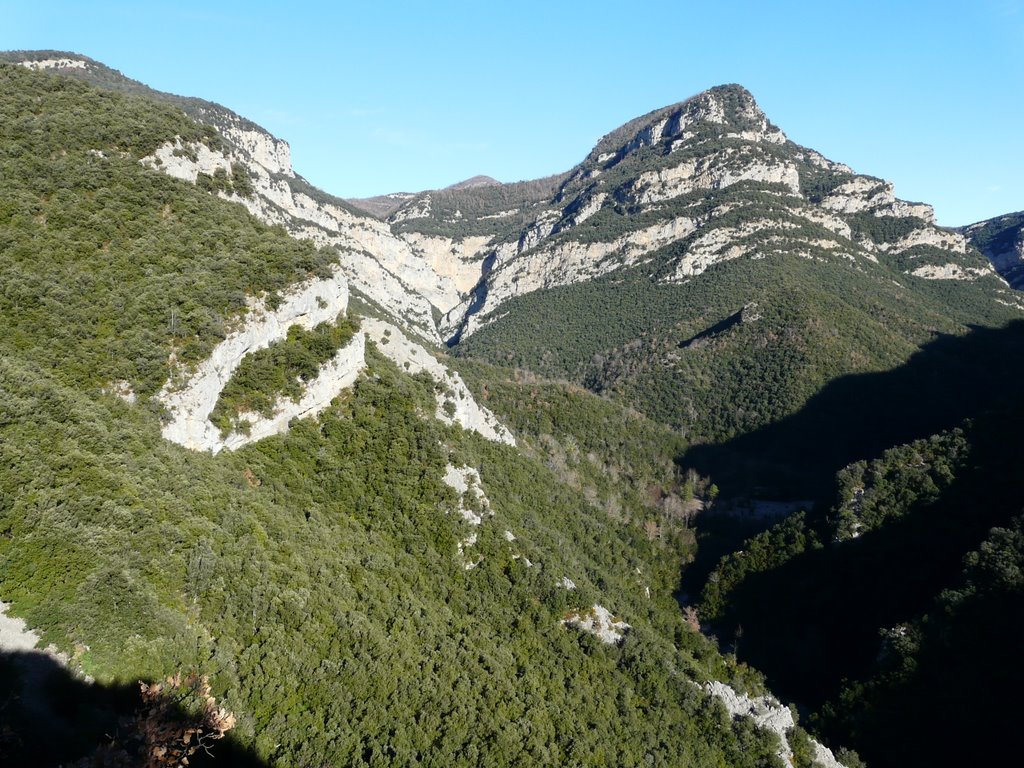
x=716 y=171
x=599 y=622
x=465 y=480
x=1001 y=240
x=58 y=63
x=14 y=633
x=455 y=403
x=949 y=272
x=945 y=240
x=770 y=714
x=190 y=396
x=261 y=148
x=446 y=268
x=642 y=197
x=865 y=193
x=186 y=162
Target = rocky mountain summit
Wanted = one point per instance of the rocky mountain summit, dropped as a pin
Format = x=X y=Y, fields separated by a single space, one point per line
x=679 y=190
x=702 y=182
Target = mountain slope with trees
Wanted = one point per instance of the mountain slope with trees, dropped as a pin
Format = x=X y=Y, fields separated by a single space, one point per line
x=700 y=313
x=1002 y=240
x=319 y=578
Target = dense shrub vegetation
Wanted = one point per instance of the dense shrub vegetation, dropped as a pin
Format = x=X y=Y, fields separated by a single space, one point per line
x=280 y=370
x=324 y=580
x=683 y=356
x=893 y=594
x=316 y=576
x=108 y=266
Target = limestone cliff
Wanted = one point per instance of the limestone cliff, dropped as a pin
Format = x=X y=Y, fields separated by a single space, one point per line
x=1001 y=240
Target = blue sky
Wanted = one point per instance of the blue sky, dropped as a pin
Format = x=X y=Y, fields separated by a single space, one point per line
x=417 y=95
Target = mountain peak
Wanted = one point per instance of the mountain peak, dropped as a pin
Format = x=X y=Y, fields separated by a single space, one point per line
x=475 y=181
x=729 y=111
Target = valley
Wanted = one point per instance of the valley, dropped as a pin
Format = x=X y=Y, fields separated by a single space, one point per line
x=583 y=470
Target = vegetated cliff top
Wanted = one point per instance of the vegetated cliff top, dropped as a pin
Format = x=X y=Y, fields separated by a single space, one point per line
x=473 y=182
x=99 y=74
x=1001 y=239
x=383 y=206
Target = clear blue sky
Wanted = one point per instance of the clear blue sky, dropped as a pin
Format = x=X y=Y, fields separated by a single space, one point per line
x=415 y=95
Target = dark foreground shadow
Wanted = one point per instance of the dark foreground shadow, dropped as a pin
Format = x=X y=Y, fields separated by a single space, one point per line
x=49 y=717
x=830 y=617
x=858 y=417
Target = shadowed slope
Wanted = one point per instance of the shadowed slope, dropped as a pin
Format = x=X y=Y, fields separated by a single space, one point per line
x=855 y=417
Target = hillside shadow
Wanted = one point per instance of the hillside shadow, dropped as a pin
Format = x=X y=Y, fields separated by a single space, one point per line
x=830 y=616
x=49 y=718
x=856 y=417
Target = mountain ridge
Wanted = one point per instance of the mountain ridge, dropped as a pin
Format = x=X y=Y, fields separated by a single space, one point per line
x=708 y=183
x=377 y=583
x=695 y=278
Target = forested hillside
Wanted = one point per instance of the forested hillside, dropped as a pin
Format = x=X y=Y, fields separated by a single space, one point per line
x=324 y=580
x=699 y=322
x=713 y=274
x=899 y=592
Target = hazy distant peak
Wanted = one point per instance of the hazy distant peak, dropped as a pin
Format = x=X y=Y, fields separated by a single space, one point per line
x=475 y=181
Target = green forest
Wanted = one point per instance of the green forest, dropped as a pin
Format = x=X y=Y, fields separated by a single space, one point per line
x=314 y=577
x=320 y=597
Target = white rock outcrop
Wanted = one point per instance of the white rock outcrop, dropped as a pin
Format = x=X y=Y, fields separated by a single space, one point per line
x=715 y=171
x=442 y=269
x=863 y=193
x=465 y=480
x=187 y=161
x=587 y=209
x=41 y=64
x=336 y=375
x=901 y=208
x=14 y=633
x=269 y=152
x=950 y=272
x=455 y=403
x=190 y=396
x=599 y=622
x=768 y=713
x=931 y=236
